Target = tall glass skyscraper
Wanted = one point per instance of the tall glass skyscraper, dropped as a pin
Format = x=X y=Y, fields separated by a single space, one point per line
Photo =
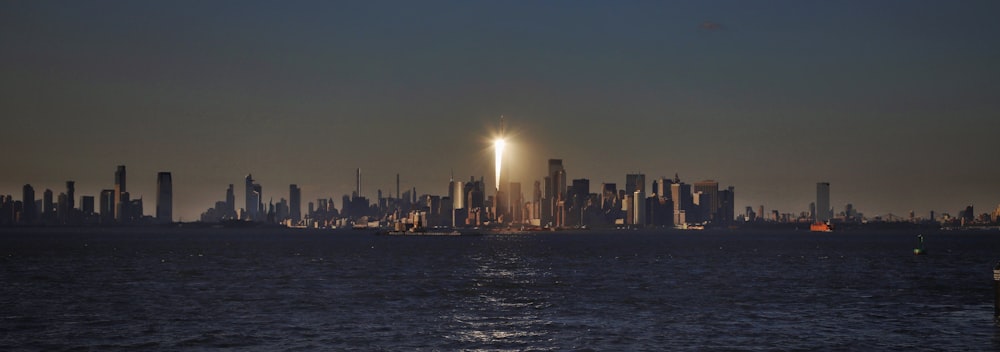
x=253 y=193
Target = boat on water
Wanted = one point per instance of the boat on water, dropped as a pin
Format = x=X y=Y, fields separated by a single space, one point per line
x=820 y=227
x=920 y=246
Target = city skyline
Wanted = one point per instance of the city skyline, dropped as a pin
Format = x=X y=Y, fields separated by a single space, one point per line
x=257 y=208
x=894 y=104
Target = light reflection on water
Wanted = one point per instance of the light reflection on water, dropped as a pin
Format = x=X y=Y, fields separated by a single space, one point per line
x=499 y=314
x=603 y=291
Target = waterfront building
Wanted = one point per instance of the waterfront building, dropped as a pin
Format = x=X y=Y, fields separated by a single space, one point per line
x=48 y=211
x=135 y=209
x=121 y=194
x=164 y=198
x=516 y=203
x=295 y=203
x=87 y=205
x=659 y=211
x=254 y=205
x=230 y=203
x=107 y=206
x=823 y=210
x=28 y=204
x=70 y=195
x=63 y=209
x=727 y=205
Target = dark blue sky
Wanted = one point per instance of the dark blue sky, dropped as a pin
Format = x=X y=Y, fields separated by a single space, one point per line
x=895 y=103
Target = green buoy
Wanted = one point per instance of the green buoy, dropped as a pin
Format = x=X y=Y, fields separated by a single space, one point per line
x=920 y=246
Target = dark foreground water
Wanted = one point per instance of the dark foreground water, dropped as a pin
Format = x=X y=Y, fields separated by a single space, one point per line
x=305 y=290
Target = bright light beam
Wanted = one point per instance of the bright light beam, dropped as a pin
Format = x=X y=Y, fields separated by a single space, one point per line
x=498 y=146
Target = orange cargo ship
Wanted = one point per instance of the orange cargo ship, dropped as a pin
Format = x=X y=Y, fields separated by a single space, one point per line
x=820 y=227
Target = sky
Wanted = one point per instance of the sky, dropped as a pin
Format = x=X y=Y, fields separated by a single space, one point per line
x=895 y=103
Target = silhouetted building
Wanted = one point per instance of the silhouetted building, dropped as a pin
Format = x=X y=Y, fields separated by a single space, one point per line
x=223 y=210
x=750 y=215
x=87 y=206
x=851 y=214
x=135 y=209
x=709 y=202
x=230 y=202
x=295 y=203
x=8 y=210
x=63 y=210
x=48 y=207
x=164 y=198
x=727 y=205
x=578 y=196
x=967 y=215
x=70 y=195
x=107 y=209
x=823 y=210
x=30 y=212
x=121 y=197
x=280 y=211
x=659 y=211
x=254 y=203
x=635 y=182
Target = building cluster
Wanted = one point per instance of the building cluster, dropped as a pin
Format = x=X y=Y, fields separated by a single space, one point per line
x=558 y=203
x=114 y=206
x=822 y=211
x=287 y=212
x=552 y=202
x=819 y=211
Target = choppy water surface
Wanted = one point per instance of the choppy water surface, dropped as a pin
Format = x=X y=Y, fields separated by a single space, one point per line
x=305 y=290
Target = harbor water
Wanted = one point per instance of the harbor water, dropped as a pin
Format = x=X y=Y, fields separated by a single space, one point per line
x=274 y=290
